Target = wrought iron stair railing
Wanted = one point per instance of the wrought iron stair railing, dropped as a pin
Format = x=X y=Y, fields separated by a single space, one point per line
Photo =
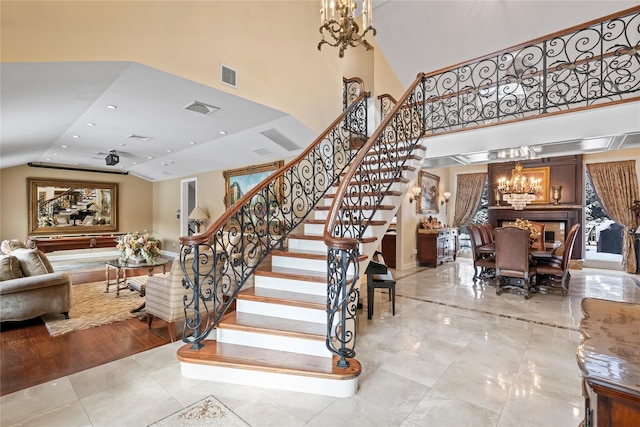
x=223 y=257
x=583 y=67
x=589 y=65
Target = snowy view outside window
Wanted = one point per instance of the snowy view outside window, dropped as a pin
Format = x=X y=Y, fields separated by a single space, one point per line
x=603 y=236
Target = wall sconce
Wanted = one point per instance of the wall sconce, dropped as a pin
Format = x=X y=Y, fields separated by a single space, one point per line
x=414 y=194
x=199 y=216
x=445 y=201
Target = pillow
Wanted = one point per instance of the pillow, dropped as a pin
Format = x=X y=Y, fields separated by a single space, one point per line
x=33 y=262
x=9 y=267
x=9 y=246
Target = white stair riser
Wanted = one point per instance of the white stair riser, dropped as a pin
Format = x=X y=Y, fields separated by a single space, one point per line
x=301 y=384
x=318 y=230
x=291 y=285
x=303 y=263
x=273 y=342
x=309 y=245
x=320 y=214
x=388 y=200
x=282 y=311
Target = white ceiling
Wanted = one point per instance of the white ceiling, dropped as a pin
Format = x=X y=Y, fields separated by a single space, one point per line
x=45 y=104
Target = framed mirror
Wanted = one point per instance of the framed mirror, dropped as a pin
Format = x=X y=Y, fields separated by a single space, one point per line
x=71 y=207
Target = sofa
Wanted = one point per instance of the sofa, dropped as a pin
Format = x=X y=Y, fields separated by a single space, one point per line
x=29 y=287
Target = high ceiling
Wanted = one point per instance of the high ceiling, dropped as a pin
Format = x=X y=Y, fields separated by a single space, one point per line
x=169 y=133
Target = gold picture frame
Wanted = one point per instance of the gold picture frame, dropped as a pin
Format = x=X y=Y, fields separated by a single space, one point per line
x=542 y=196
x=429 y=193
x=241 y=180
x=57 y=206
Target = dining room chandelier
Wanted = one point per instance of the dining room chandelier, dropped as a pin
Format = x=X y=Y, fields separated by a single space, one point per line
x=519 y=191
x=339 y=27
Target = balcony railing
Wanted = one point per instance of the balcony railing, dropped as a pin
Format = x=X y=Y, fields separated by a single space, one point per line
x=586 y=66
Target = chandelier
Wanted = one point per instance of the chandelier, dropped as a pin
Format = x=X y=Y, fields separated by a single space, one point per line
x=338 y=25
x=519 y=191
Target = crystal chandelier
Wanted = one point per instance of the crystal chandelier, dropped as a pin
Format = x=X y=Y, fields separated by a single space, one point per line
x=519 y=191
x=338 y=25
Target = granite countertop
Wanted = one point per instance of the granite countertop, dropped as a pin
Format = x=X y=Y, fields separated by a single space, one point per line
x=609 y=353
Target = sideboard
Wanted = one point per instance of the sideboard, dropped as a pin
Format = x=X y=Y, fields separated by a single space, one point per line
x=436 y=246
x=60 y=243
x=610 y=363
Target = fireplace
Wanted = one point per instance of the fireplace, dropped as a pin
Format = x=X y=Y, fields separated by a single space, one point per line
x=558 y=221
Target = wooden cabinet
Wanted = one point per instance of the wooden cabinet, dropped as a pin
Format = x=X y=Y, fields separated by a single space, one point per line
x=437 y=246
x=389 y=249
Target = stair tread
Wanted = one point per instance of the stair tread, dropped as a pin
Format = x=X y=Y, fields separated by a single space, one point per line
x=322 y=221
x=273 y=325
x=215 y=353
x=362 y=207
x=305 y=253
x=291 y=298
x=294 y=273
x=366 y=194
x=321 y=237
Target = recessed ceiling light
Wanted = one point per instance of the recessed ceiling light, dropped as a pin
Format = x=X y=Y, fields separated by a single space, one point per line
x=111 y=107
x=48 y=160
x=164 y=164
x=55 y=154
x=169 y=150
x=64 y=146
x=135 y=163
x=192 y=142
x=149 y=157
x=91 y=124
x=223 y=132
x=122 y=144
x=75 y=136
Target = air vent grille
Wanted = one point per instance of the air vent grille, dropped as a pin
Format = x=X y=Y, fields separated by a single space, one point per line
x=139 y=137
x=228 y=76
x=277 y=137
x=201 y=107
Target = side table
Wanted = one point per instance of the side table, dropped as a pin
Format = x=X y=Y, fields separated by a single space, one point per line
x=122 y=267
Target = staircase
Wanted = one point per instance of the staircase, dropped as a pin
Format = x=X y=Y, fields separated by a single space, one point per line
x=276 y=336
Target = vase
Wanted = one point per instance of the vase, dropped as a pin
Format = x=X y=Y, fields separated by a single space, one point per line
x=136 y=259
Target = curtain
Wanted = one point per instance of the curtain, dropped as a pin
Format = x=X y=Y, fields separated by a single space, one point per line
x=468 y=193
x=616 y=185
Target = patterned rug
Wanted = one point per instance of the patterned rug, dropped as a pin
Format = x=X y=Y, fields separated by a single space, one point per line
x=93 y=307
x=207 y=412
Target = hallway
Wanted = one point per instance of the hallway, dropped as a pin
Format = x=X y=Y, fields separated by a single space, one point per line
x=455 y=354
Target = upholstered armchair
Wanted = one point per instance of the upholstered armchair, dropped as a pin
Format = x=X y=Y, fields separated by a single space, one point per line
x=482 y=262
x=165 y=295
x=512 y=259
x=557 y=268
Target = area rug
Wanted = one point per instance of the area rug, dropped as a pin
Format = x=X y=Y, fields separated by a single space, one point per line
x=93 y=307
x=207 y=412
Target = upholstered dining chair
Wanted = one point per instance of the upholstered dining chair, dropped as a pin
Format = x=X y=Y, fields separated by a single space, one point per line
x=486 y=233
x=512 y=259
x=483 y=262
x=557 y=268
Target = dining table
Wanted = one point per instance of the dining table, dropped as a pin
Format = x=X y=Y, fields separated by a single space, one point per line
x=536 y=252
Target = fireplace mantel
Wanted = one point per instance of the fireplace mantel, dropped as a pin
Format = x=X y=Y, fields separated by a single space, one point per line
x=568 y=214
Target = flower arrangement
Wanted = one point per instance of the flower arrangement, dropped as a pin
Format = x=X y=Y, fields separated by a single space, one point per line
x=46 y=221
x=527 y=225
x=136 y=245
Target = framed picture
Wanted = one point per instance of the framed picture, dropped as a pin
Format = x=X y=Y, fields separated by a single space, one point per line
x=240 y=181
x=542 y=174
x=429 y=189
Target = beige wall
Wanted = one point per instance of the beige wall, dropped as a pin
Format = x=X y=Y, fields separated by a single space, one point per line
x=135 y=198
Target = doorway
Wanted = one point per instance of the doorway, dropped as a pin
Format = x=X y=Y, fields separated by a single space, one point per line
x=188 y=200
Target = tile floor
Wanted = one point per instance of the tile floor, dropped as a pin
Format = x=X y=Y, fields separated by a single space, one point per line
x=455 y=354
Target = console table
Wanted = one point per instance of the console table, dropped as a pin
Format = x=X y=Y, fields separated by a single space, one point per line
x=61 y=243
x=610 y=363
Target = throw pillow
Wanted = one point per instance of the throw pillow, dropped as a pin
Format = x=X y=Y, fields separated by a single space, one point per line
x=9 y=267
x=9 y=246
x=33 y=262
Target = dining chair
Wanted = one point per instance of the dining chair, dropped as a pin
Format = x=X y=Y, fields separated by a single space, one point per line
x=557 y=268
x=512 y=260
x=485 y=233
x=484 y=262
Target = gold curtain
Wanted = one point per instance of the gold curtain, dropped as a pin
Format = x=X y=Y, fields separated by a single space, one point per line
x=468 y=194
x=616 y=185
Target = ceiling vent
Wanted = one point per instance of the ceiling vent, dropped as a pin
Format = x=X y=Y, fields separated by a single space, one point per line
x=228 y=76
x=139 y=137
x=262 y=151
x=280 y=139
x=201 y=107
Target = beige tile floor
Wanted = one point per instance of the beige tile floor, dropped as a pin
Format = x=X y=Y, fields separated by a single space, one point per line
x=455 y=354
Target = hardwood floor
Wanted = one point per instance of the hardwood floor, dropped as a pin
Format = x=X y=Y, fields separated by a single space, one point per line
x=30 y=356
